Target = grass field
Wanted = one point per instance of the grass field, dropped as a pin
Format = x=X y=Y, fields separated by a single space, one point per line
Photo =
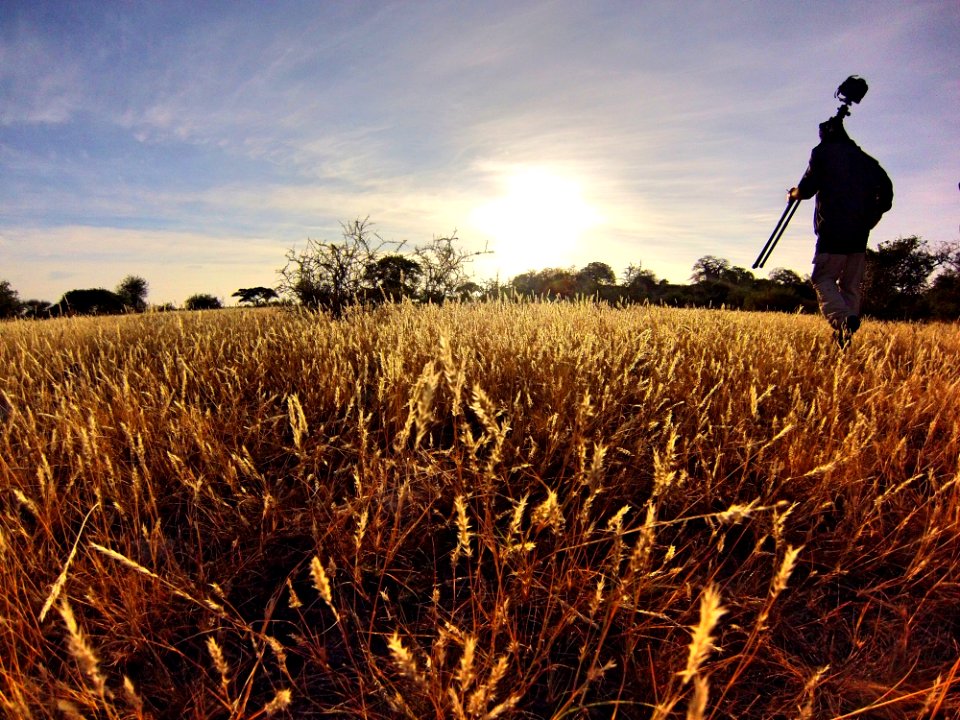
x=478 y=511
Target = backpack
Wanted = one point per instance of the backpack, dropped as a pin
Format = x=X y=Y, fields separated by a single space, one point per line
x=879 y=189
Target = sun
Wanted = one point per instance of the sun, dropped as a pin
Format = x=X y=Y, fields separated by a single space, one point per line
x=537 y=222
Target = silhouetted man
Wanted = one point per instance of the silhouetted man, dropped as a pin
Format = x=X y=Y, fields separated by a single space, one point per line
x=853 y=192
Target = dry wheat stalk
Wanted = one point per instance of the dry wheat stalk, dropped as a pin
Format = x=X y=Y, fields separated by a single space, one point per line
x=322 y=584
x=698 y=701
x=81 y=650
x=62 y=578
x=701 y=642
x=281 y=701
x=219 y=661
x=464 y=532
x=548 y=514
x=403 y=658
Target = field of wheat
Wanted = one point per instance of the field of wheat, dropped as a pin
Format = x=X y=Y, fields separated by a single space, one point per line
x=478 y=511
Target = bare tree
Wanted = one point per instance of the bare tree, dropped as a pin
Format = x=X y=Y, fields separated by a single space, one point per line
x=332 y=275
x=444 y=268
x=363 y=267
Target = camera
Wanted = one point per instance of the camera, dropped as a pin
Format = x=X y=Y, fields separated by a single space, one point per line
x=850 y=91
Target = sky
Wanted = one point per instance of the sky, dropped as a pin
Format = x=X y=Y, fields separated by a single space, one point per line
x=195 y=143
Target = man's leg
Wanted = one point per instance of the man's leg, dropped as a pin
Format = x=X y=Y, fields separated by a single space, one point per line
x=851 y=281
x=827 y=270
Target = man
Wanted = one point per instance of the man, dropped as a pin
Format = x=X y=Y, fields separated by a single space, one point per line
x=853 y=192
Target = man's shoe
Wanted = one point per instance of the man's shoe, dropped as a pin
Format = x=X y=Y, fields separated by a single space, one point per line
x=852 y=324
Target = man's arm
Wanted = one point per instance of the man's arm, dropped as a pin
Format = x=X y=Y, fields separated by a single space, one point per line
x=809 y=184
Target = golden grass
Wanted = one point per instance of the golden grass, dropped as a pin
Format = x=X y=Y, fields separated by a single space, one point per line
x=479 y=511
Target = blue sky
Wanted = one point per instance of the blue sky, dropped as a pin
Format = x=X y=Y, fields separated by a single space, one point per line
x=194 y=143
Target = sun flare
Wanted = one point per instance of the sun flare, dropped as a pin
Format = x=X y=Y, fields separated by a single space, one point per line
x=537 y=222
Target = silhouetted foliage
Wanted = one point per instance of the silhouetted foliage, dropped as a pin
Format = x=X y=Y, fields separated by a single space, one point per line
x=90 y=301
x=944 y=296
x=785 y=278
x=35 y=309
x=202 y=301
x=443 y=265
x=394 y=277
x=550 y=283
x=9 y=300
x=639 y=284
x=897 y=276
x=133 y=289
x=334 y=275
x=331 y=275
x=709 y=267
x=257 y=296
x=594 y=276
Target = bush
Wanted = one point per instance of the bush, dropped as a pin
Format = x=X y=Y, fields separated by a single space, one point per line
x=202 y=301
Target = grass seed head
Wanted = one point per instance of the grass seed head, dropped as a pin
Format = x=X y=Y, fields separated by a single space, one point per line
x=701 y=643
x=322 y=584
x=219 y=661
x=464 y=532
x=81 y=650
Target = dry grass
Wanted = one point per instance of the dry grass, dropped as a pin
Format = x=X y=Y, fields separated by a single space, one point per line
x=490 y=511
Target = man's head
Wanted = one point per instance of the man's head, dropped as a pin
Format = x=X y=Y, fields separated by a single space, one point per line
x=832 y=130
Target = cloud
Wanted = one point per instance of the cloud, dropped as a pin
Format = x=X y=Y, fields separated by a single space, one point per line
x=38 y=83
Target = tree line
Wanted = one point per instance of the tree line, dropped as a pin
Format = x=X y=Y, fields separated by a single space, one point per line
x=906 y=279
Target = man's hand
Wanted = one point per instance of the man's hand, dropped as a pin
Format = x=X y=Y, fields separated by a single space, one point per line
x=793 y=194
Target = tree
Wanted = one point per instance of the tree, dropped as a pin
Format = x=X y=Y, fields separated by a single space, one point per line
x=202 y=301
x=943 y=297
x=897 y=276
x=710 y=267
x=444 y=268
x=35 y=309
x=333 y=275
x=469 y=291
x=639 y=284
x=737 y=275
x=593 y=276
x=785 y=277
x=548 y=283
x=9 y=300
x=393 y=277
x=257 y=296
x=784 y=291
x=133 y=289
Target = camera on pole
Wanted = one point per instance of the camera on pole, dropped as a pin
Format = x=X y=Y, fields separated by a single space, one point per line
x=851 y=91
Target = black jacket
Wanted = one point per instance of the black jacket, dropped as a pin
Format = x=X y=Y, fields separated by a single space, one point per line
x=852 y=191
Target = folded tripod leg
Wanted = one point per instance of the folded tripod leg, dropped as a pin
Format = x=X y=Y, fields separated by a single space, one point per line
x=788 y=212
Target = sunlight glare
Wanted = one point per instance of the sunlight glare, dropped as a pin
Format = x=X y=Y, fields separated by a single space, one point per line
x=536 y=223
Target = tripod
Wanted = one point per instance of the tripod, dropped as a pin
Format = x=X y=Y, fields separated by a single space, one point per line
x=850 y=91
x=792 y=205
